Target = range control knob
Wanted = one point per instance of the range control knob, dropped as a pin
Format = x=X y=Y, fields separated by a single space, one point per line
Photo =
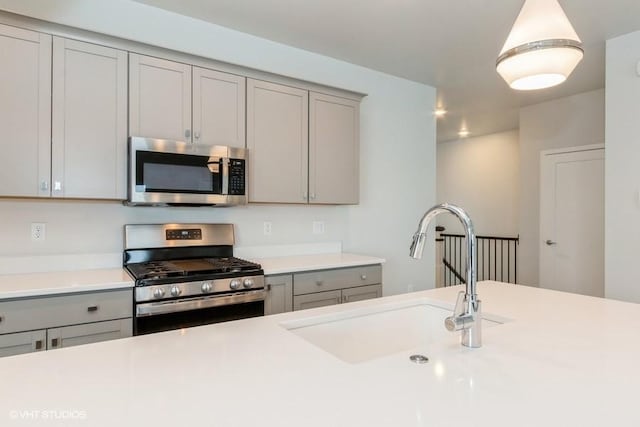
x=234 y=284
x=206 y=287
x=158 y=293
x=247 y=283
x=176 y=291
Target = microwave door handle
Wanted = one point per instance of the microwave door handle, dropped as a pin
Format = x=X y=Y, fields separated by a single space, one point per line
x=225 y=176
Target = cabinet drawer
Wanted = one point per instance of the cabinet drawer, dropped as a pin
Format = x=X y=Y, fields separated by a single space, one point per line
x=48 y=312
x=320 y=299
x=328 y=280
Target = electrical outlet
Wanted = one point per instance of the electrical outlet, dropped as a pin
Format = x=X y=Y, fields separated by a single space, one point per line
x=318 y=227
x=38 y=231
x=267 y=228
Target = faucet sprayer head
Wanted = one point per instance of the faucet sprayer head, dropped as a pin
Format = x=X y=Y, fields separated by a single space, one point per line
x=417 y=245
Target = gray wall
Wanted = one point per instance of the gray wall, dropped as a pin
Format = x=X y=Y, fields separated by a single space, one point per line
x=622 y=169
x=565 y=122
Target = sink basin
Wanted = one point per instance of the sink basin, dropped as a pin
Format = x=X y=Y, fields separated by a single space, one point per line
x=359 y=335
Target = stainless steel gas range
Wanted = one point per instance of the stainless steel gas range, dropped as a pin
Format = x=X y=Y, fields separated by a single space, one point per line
x=186 y=275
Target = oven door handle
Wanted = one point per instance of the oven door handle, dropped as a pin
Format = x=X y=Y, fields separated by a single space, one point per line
x=149 y=309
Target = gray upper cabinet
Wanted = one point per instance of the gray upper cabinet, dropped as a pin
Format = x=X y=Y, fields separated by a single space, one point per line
x=334 y=135
x=218 y=108
x=25 y=112
x=303 y=147
x=164 y=104
x=277 y=139
x=159 y=98
x=89 y=127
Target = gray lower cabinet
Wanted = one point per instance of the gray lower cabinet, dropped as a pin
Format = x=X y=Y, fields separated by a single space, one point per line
x=328 y=287
x=69 y=336
x=279 y=294
x=46 y=323
x=23 y=342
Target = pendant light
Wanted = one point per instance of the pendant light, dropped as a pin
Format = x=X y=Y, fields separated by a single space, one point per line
x=542 y=48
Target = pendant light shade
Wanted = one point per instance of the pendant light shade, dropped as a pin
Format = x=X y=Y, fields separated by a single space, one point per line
x=542 y=48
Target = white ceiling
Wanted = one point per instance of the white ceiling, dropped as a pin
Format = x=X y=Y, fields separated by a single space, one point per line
x=449 y=44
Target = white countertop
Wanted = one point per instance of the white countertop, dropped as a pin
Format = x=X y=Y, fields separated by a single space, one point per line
x=561 y=360
x=61 y=282
x=292 y=264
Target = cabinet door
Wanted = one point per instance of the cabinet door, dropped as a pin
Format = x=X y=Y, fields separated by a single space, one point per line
x=277 y=139
x=279 y=294
x=25 y=112
x=320 y=299
x=69 y=336
x=361 y=293
x=23 y=342
x=334 y=153
x=89 y=145
x=218 y=108
x=159 y=98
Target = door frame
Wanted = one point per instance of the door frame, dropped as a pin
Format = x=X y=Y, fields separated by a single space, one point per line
x=541 y=178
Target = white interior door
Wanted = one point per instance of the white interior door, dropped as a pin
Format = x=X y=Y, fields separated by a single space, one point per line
x=572 y=221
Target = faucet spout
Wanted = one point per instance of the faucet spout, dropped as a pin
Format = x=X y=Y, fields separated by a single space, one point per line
x=466 y=316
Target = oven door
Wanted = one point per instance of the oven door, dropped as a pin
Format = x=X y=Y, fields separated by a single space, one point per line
x=165 y=172
x=176 y=314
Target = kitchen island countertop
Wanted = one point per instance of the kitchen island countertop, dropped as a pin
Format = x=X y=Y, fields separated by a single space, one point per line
x=557 y=360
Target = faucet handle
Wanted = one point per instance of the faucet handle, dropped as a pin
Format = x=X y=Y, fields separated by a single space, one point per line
x=458 y=310
x=460 y=319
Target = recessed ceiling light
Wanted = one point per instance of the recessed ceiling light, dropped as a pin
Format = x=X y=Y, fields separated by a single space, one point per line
x=439 y=112
x=463 y=133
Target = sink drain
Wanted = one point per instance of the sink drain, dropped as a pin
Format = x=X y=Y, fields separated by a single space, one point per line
x=419 y=358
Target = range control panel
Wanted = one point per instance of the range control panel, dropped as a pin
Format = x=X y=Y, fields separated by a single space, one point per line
x=184 y=234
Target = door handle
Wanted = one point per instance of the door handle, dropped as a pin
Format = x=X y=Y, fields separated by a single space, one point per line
x=550 y=242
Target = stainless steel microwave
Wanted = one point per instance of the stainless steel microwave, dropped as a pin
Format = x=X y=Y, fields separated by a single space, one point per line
x=166 y=173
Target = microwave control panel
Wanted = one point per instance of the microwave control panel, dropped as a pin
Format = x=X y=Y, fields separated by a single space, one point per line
x=236 y=177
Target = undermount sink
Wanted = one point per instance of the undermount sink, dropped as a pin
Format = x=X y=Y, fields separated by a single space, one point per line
x=359 y=335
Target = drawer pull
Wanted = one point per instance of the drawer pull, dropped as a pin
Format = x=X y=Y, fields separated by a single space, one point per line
x=1 y=319
x=39 y=345
x=92 y=308
x=363 y=277
x=54 y=342
x=319 y=282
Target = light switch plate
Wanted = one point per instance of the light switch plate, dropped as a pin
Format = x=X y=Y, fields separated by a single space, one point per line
x=318 y=227
x=38 y=231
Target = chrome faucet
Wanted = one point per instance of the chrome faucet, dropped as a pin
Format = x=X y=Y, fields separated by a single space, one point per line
x=466 y=315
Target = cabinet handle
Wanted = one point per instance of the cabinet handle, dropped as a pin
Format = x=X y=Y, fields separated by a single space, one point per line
x=57 y=186
x=313 y=196
x=268 y=287
x=39 y=345
x=196 y=135
x=92 y=308
x=187 y=133
x=54 y=342
x=304 y=196
x=363 y=277
x=44 y=185
x=319 y=282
